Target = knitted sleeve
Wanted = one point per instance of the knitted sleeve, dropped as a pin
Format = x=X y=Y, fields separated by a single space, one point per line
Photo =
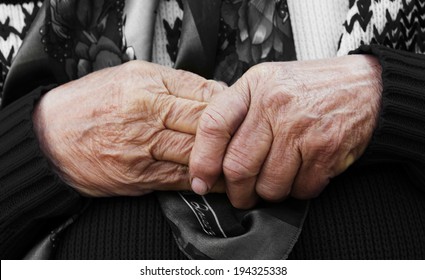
x=400 y=134
x=32 y=198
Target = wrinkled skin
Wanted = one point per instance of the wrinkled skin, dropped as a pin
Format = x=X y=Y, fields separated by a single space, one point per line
x=287 y=128
x=126 y=130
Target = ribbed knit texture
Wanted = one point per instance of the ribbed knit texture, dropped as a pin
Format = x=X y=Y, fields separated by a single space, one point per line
x=317 y=27
x=378 y=211
x=32 y=197
x=372 y=212
x=400 y=134
x=120 y=228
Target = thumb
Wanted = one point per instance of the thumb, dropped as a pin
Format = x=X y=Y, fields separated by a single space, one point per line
x=216 y=126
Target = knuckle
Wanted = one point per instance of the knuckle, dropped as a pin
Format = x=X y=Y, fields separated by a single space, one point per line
x=252 y=79
x=180 y=77
x=278 y=100
x=322 y=148
x=329 y=146
x=204 y=167
x=270 y=191
x=212 y=123
x=234 y=172
x=329 y=137
x=207 y=88
x=236 y=168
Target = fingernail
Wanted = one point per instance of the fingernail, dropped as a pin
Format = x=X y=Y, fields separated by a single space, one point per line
x=199 y=186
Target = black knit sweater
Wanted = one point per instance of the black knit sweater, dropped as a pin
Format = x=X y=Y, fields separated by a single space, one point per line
x=376 y=209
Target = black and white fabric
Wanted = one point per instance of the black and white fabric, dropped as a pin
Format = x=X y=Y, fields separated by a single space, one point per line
x=15 y=20
x=168 y=25
x=397 y=24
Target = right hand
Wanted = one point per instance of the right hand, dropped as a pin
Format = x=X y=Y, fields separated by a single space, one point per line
x=287 y=128
x=126 y=130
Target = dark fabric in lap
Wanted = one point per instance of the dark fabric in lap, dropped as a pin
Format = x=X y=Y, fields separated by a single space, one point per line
x=208 y=227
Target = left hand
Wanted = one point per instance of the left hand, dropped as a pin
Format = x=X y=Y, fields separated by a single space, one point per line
x=123 y=131
x=287 y=128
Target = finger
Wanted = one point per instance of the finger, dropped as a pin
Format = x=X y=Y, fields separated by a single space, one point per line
x=219 y=186
x=313 y=175
x=188 y=85
x=173 y=146
x=278 y=172
x=216 y=126
x=178 y=181
x=166 y=176
x=310 y=181
x=182 y=115
x=244 y=159
x=320 y=155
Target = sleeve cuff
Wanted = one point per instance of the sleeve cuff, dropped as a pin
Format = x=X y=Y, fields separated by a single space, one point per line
x=31 y=194
x=400 y=133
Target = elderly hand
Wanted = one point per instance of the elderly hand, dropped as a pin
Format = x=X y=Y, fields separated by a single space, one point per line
x=287 y=128
x=125 y=130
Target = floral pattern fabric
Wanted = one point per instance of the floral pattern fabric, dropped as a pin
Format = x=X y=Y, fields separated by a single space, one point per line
x=85 y=36
x=252 y=31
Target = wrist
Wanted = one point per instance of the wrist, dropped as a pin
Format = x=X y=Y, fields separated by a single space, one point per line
x=44 y=117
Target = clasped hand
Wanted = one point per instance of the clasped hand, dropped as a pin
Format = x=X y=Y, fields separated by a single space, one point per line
x=123 y=131
x=285 y=129
x=282 y=129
